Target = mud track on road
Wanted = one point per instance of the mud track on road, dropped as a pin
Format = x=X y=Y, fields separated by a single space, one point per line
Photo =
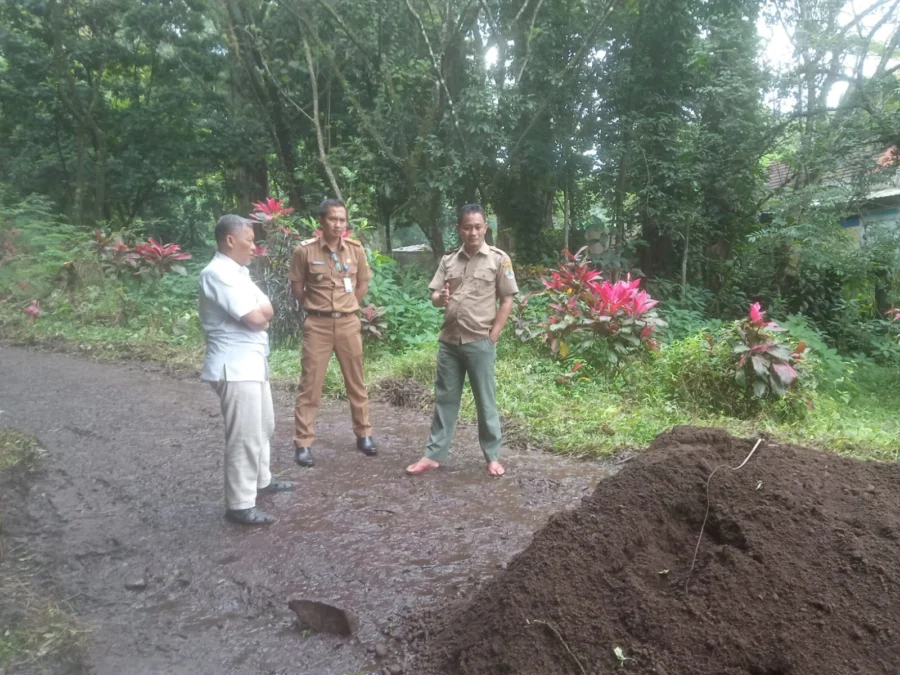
x=127 y=518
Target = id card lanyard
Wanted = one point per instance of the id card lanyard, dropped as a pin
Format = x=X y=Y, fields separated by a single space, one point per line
x=345 y=269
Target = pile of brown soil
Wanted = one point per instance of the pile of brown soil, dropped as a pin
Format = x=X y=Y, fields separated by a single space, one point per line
x=798 y=572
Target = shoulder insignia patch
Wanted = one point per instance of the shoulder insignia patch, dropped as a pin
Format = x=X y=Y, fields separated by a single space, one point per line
x=355 y=242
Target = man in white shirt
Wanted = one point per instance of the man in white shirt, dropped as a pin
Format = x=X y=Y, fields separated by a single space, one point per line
x=235 y=314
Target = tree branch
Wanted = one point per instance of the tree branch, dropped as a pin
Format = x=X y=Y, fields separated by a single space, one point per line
x=563 y=77
x=889 y=50
x=437 y=67
x=528 y=41
x=521 y=11
x=320 y=138
x=349 y=33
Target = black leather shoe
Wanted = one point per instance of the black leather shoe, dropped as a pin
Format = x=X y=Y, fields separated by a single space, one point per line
x=276 y=486
x=367 y=446
x=303 y=456
x=251 y=516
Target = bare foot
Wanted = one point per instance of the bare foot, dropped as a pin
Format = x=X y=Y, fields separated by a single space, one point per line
x=422 y=466
x=496 y=469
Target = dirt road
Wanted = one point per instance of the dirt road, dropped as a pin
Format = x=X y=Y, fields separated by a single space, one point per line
x=128 y=520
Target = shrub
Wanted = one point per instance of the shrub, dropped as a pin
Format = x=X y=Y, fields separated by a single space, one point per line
x=697 y=372
x=599 y=322
x=271 y=265
x=372 y=322
x=764 y=365
x=410 y=319
x=145 y=258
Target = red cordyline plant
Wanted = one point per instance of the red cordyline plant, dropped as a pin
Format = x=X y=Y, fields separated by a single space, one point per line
x=159 y=259
x=33 y=311
x=373 y=322
x=115 y=256
x=764 y=363
x=269 y=210
x=602 y=322
x=272 y=264
x=150 y=257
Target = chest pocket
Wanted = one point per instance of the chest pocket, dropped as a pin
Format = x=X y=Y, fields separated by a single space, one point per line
x=319 y=275
x=485 y=278
x=455 y=280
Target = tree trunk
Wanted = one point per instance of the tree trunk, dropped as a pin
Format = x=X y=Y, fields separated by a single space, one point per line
x=684 y=261
x=252 y=184
x=78 y=202
x=566 y=215
x=100 y=176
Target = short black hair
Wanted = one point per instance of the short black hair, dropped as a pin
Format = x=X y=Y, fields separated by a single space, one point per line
x=329 y=204
x=470 y=208
x=230 y=224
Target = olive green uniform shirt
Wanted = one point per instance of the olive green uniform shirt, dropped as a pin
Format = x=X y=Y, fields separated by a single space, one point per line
x=322 y=273
x=476 y=284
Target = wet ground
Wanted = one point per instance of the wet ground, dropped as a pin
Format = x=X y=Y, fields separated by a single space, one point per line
x=127 y=520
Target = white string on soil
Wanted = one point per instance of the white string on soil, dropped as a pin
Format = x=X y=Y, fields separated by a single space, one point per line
x=560 y=638
x=703 y=527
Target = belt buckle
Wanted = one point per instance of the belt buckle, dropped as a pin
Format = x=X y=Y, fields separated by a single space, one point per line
x=336 y=315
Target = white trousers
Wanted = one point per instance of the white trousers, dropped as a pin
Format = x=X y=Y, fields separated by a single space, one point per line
x=249 y=424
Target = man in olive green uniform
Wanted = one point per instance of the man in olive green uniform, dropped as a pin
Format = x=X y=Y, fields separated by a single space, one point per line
x=469 y=283
x=329 y=276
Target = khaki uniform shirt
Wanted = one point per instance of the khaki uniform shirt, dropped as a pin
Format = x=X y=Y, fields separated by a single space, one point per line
x=322 y=273
x=476 y=284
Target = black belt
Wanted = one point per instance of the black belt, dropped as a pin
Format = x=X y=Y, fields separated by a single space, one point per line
x=327 y=315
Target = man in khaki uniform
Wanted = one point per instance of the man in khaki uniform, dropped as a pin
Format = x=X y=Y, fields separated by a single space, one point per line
x=329 y=276
x=469 y=282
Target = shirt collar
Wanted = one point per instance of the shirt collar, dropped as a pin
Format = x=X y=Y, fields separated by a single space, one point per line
x=484 y=250
x=327 y=248
x=231 y=264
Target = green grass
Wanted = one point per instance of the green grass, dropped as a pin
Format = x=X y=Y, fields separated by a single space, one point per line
x=599 y=415
x=18 y=451
x=37 y=631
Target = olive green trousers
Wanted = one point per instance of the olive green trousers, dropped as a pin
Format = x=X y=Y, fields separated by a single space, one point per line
x=453 y=363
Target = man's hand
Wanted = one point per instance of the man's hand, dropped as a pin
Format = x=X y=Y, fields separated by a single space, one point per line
x=503 y=311
x=441 y=298
x=256 y=320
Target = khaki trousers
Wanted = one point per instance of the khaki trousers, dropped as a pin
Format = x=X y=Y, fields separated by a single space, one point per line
x=322 y=337
x=249 y=425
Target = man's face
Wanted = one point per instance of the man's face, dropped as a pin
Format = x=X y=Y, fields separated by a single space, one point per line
x=471 y=231
x=241 y=246
x=334 y=223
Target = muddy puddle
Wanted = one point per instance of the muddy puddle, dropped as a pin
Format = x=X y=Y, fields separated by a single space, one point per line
x=133 y=497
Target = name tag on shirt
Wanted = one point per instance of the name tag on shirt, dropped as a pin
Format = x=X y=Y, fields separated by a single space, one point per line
x=318 y=262
x=348 y=285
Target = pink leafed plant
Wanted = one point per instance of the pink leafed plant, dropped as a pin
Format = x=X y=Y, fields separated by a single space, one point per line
x=269 y=209
x=33 y=311
x=763 y=362
x=160 y=259
x=601 y=321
